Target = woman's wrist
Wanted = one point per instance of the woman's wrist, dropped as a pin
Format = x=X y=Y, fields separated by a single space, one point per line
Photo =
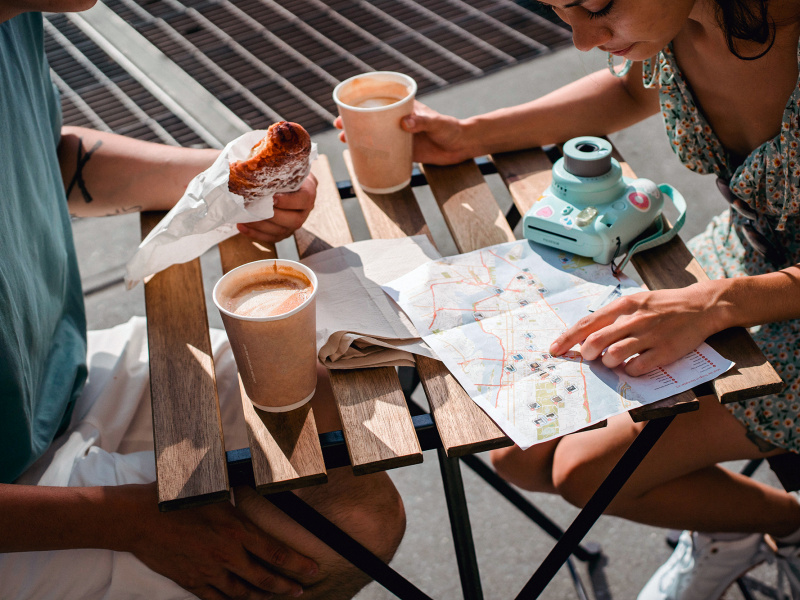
x=721 y=309
x=758 y=299
x=472 y=137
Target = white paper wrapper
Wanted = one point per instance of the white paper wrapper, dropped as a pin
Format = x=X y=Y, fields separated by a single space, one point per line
x=358 y=324
x=205 y=215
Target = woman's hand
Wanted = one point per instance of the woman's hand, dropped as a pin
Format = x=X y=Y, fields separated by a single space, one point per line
x=213 y=551
x=654 y=328
x=438 y=139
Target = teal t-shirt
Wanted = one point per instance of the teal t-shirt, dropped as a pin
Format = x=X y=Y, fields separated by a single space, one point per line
x=42 y=319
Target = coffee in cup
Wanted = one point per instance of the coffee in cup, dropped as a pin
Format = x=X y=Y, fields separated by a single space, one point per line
x=371 y=106
x=268 y=308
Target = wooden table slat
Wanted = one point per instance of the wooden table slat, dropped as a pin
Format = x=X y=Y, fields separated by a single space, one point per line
x=453 y=410
x=526 y=175
x=326 y=226
x=468 y=206
x=284 y=446
x=674 y=405
x=463 y=427
x=189 y=447
x=356 y=390
x=377 y=426
x=389 y=216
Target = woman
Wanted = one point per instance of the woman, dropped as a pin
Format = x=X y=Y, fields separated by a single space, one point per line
x=724 y=75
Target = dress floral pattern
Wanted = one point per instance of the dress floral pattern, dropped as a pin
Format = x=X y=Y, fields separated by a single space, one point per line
x=769 y=182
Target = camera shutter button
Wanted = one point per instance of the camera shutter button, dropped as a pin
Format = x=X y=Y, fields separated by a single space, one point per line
x=618 y=206
x=586 y=216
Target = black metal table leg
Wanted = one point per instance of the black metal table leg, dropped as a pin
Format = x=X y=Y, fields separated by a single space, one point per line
x=460 y=526
x=345 y=545
x=587 y=553
x=595 y=507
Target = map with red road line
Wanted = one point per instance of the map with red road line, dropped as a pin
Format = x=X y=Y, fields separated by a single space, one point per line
x=491 y=315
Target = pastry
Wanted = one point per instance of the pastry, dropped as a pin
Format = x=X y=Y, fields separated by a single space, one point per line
x=278 y=163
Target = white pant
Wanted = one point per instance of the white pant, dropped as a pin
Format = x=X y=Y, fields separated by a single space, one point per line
x=109 y=442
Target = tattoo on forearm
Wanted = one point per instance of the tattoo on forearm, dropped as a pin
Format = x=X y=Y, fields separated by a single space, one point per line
x=122 y=210
x=77 y=178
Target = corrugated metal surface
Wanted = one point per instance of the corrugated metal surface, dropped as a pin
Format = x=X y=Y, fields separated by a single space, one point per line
x=280 y=59
x=98 y=93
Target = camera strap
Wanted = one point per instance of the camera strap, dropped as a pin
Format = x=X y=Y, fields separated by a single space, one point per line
x=663 y=233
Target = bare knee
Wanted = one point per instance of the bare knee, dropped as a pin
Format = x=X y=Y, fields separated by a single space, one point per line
x=372 y=512
x=381 y=516
x=367 y=507
x=529 y=470
x=575 y=477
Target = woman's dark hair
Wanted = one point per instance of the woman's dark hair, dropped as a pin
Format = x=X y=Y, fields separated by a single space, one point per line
x=746 y=20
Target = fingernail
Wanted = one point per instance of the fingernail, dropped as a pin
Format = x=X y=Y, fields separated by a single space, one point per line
x=410 y=122
x=298 y=592
x=554 y=349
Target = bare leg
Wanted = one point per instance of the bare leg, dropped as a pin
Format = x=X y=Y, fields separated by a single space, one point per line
x=679 y=484
x=530 y=470
x=366 y=507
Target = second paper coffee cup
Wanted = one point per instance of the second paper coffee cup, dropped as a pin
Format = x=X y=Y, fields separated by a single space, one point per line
x=268 y=308
x=371 y=106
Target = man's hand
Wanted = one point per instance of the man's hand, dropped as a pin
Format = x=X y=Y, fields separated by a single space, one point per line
x=213 y=551
x=646 y=330
x=291 y=211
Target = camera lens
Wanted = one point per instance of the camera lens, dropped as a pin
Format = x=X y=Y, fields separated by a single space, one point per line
x=587 y=147
x=587 y=156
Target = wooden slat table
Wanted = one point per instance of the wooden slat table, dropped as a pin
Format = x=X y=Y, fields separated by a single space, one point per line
x=378 y=430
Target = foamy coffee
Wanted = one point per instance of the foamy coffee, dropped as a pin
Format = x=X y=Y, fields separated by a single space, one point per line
x=372 y=92
x=268 y=294
x=268 y=308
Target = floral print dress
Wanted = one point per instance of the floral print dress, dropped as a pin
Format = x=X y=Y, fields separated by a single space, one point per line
x=769 y=182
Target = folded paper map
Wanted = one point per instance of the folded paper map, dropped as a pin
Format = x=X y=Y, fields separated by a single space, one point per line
x=491 y=315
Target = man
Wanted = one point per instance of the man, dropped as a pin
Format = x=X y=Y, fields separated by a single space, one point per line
x=78 y=507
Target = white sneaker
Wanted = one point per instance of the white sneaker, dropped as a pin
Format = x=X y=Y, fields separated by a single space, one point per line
x=701 y=568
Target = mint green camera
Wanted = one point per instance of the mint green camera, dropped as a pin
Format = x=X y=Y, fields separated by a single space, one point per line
x=591 y=209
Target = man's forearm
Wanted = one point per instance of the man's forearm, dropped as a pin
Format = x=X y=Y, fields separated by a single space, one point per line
x=58 y=518
x=107 y=174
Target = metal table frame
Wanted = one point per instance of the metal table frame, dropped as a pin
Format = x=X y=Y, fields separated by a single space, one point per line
x=568 y=544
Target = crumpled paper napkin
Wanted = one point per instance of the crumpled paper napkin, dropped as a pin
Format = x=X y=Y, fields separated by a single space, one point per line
x=358 y=324
x=205 y=215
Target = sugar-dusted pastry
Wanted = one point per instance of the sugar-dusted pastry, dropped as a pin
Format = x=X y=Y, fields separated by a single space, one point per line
x=278 y=163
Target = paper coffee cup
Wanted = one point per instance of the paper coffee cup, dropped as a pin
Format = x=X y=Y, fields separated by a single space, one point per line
x=371 y=106
x=277 y=354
